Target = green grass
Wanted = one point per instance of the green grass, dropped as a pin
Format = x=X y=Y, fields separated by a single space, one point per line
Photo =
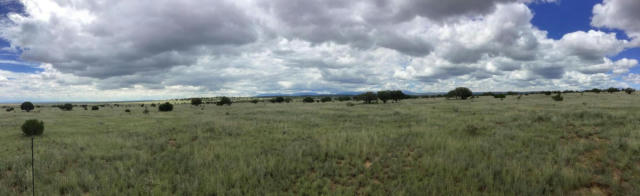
x=583 y=145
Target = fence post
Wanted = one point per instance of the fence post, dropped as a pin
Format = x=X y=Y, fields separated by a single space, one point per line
x=33 y=182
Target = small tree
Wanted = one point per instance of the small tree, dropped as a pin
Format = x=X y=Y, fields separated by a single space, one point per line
x=224 y=101
x=95 y=107
x=254 y=101
x=460 y=92
x=613 y=90
x=288 y=99
x=196 y=101
x=325 y=99
x=165 y=107
x=384 y=96
x=308 y=100
x=596 y=90
x=629 y=90
x=499 y=96
x=368 y=97
x=127 y=110
x=398 y=95
x=27 y=106
x=32 y=127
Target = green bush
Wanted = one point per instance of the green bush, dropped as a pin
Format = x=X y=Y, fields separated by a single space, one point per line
x=499 y=96
x=557 y=97
x=32 y=127
x=277 y=100
x=629 y=90
x=66 y=107
x=95 y=107
x=196 y=101
x=224 y=101
x=308 y=100
x=127 y=110
x=9 y=109
x=255 y=101
x=165 y=107
x=27 y=106
x=325 y=99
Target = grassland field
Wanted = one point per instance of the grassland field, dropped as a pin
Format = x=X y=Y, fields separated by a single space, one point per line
x=588 y=144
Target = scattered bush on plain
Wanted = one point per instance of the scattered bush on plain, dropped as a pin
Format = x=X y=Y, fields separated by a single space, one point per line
x=32 y=127
x=196 y=101
x=224 y=101
x=308 y=100
x=165 y=107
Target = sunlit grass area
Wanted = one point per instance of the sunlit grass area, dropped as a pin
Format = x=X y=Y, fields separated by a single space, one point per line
x=587 y=144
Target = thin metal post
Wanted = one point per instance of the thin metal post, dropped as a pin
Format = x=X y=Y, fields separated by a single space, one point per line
x=33 y=180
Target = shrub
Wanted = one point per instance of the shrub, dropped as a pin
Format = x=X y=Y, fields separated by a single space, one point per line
x=547 y=92
x=596 y=90
x=10 y=109
x=349 y=104
x=288 y=99
x=557 y=97
x=142 y=105
x=308 y=100
x=255 y=101
x=277 y=100
x=66 y=107
x=224 y=101
x=127 y=110
x=499 y=96
x=145 y=111
x=196 y=101
x=32 y=127
x=460 y=92
x=325 y=99
x=153 y=105
x=165 y=107
x=613 y=90
x=26 y=106
x=629 y=90
x=343 y=98
x=95 y=107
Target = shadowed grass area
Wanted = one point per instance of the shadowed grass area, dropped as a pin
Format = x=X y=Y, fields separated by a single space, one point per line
x=586 y=144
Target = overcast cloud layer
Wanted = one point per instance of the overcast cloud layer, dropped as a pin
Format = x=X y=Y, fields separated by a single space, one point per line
x=147 y=49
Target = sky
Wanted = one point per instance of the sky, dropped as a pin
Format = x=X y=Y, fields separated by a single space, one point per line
x=107 y=50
